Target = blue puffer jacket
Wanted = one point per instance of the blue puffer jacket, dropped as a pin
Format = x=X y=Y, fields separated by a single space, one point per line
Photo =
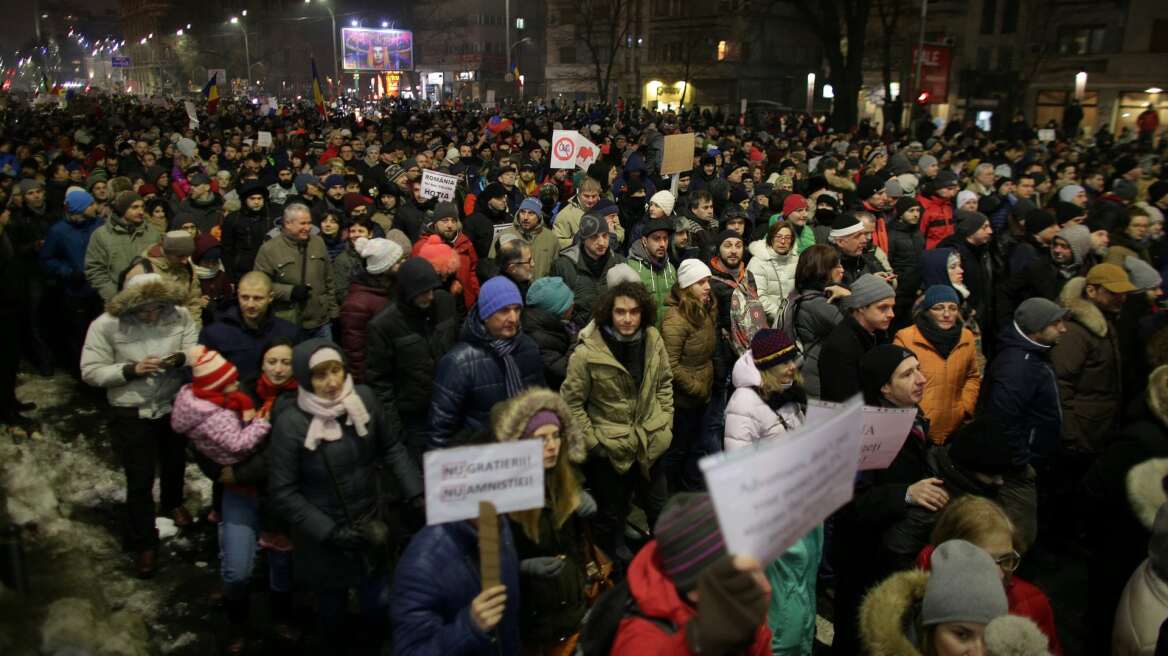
x=436 y=579
x=471 y=379
x=63 y=254
x=1024 y=396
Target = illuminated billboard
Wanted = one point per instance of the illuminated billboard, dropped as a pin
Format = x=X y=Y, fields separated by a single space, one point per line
x=367 y=49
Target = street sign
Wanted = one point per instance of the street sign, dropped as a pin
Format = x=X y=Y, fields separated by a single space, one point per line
x=119 y=62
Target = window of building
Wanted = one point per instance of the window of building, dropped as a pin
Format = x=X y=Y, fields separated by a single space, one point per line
x=568 y=55
x=729 y=51
x=1006 y=58
x=989 y=12
x=1081 y=40
x=1010 y=16
x=1159 y=36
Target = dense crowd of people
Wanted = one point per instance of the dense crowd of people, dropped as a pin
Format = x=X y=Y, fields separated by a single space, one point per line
x=305 y=320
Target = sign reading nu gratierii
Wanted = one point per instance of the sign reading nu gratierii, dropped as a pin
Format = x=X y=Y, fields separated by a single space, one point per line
x=508 y=474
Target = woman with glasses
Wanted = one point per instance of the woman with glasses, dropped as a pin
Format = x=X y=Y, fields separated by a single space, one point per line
x=948 y=357
x=978 y=520
x=773 y=264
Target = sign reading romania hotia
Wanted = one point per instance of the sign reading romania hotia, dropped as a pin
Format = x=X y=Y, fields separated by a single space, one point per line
x=367 y=49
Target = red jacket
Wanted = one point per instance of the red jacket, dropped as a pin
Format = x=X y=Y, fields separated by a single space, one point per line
x=1024 y=599
x=936 y=219
x=468 y=263
x=362 y=303
x=656 y=597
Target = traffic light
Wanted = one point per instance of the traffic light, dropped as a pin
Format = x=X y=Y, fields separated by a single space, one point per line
x=923 y=98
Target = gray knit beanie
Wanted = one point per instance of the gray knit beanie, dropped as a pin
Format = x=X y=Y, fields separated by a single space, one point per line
x=964 y=585
x=868 y=289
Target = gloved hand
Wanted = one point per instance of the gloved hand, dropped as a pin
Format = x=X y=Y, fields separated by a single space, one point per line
x=547 y=566
x=587 y=507
x=299 y=293
x=347 y=538
x=732 y=604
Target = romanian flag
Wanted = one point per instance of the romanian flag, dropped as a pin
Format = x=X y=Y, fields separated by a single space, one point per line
x=211 y=93
x=317 y=94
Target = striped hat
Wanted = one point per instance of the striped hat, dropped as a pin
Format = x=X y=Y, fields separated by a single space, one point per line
x=211 y=372
x=688 y=538
x=770 y=347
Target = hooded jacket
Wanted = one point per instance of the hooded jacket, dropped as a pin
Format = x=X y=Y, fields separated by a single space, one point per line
x=632 y=425
x=775 y=276
x=290 y=263
x=1024 y=396
x=810 y=318
x=889 y=615
x=658 y=278
x=1087 y=363
x=112 y=248
x=906 y=243
x=690 y=349
x=242 y=234
x=303 y=491
x=117 y=339
x=748 y=417
x=217 y=432
x=586 y=286
x=952 y=384
x=554 y=342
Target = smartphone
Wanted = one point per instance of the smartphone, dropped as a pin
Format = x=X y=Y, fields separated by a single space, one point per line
x=173 y=360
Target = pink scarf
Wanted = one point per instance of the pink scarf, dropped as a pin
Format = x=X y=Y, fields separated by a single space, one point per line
x=324 y=413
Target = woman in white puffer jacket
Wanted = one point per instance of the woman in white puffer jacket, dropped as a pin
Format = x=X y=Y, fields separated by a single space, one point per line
x=773 y=264
x=768 y=399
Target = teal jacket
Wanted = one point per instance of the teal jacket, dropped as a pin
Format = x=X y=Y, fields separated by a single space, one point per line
x=791 y=616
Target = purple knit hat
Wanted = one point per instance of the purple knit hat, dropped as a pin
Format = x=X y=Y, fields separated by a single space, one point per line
x=771 y=347
x=688 y=538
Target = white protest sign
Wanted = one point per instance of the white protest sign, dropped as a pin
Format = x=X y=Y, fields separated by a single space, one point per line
x=570 y=149
x=264 y=139
x=438 y=185
x=1045 y=135
x=192 y=118
x=490 y=96
x=770 y=496
x=882 y=433
x=508 y=474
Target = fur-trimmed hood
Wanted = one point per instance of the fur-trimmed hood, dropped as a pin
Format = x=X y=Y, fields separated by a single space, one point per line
x=1014 y=635
x=1083 y=311
x=136 y=296
x=1157 y=395
x=1145 y=489
x=889 y=611
x=508 y=420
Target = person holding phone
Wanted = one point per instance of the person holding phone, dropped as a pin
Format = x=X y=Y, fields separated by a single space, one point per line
x=135 y=351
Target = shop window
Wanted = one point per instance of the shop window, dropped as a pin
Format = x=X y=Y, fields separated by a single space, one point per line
x=729 y=51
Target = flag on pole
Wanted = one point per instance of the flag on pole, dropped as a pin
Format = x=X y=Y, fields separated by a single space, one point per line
x=317 y=94
x=211 y=93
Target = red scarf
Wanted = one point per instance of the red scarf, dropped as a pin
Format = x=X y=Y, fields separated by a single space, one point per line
x=267 y=391
x=237 y=400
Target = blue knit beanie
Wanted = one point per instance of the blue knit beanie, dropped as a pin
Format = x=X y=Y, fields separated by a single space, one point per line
x=496 y=294
x=550 y=294
x=77 y=200
x=940 y=294
x=533 y=205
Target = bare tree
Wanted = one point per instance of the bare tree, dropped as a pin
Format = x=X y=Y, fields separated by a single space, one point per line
x=604 y=26
x=890 y=12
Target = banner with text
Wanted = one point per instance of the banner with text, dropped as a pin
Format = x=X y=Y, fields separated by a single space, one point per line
x=438 y=185
x=769 y=496
x=935 y=62
x=882 y=431
x=508 y=474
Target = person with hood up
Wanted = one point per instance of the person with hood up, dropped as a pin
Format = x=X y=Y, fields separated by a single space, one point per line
x=768 y=402
x=942 y=267
x=948 y=359
x=941 y=612
x=327 y=443
x=567 y=220
x=114 y=245
x=1143 y=606
x=135 y=351
x=585 y=265
x=203 y=206
x=444 y=227
x=971 y=239
x=713 y=602
x=492 y=361
x=547 y=318
x=936 y=199
x=529 y=227
x=773 y=266
x=552 y=543
x=63 y=258
x=650 y=259
x=490 y=215
x=369 y=293
x=1071 y=251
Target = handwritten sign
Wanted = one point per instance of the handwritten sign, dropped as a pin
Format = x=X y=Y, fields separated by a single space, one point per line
x=192 y=118
x=570 y=149
x=438 y=185
x=264 y=139
x=677 y=156
x=882 y=431
x=1045 y=135
x=769 y=496
x=508 y=474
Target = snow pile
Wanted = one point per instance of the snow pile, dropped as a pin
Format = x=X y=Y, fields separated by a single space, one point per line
x=30 y=495
x=72 y=627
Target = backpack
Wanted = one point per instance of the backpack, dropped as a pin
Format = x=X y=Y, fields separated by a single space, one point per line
x=747 y=317
x=599 y=628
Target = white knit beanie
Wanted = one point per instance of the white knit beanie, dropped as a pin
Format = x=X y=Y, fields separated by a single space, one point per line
x=380 y=254
x=664 y=200
x=692 y=271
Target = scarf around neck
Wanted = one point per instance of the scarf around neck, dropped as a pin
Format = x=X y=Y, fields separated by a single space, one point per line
x=503 y=349
x=942 y=340
x=324 y=425
x=268 y=391
x=236 y=401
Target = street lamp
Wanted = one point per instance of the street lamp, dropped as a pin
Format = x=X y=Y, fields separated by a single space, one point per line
x=333 y=18
x=246 y=48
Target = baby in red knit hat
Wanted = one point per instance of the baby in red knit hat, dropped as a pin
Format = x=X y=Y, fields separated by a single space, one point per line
x=219 y=419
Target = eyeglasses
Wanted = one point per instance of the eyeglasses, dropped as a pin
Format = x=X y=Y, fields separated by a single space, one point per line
x=1010 y=561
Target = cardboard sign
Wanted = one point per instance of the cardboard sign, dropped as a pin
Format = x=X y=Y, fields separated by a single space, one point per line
x=770 y=496
x=570 y=149
x=192 y=118
x=882 y=432
x=264 y=139
x=508 y=474
x=678 y=153
x=438 y=185
x=1046 y=135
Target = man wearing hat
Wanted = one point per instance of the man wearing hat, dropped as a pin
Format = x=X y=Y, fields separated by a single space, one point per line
x=202 y=205
x=63 y=258
x=115 y=244
x=1031 y=269
x=869 y=313
x=850 y=240
x=873 y=197
x=244 y=230
x=490 y=215
x=547 y=319
x=936 y=199
x=971 y=239
x=492 y=361
x=531 y=229
x=1086 y=359
x=171 y=259
x=649 y=257
x=584 y=266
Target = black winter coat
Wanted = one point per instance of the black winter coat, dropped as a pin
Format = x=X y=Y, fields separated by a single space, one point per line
x=555 y=344
x=241 y=345
x=471 y=380
x=571 y=267
x=403 y=349
x=1024 y=396
x=975 y=263
x=839 y=359
x=243 y=233
x=906 y=243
